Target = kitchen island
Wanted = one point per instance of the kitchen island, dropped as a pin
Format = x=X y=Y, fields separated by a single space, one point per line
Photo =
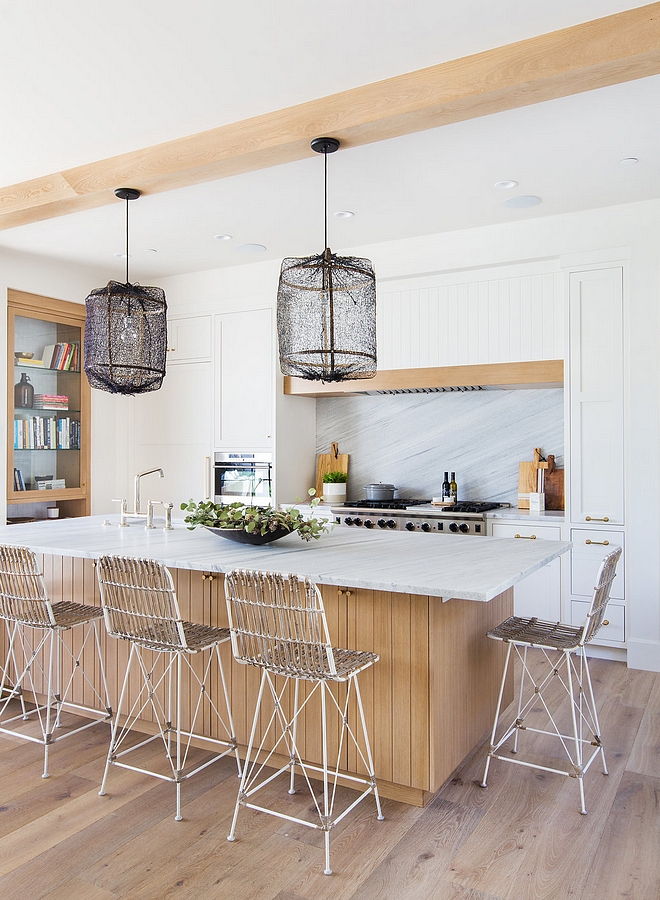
x=422 y=602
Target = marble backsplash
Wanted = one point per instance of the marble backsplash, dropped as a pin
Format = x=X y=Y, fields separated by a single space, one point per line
x=410 y=440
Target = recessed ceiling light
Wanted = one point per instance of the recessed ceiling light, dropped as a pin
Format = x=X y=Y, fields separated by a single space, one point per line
x=522 y=202
x=250 y=248
x=344 y=214
x=628 y=161
x=222 y=237
x=151 y=250
x=505 y=185
x=122 y=255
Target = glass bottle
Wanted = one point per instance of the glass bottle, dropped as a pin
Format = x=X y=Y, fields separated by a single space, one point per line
x=23 y=393
x=446 y=493
x=453 y=488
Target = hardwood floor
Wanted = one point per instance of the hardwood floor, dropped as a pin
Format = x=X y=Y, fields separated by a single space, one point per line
x=522 y=838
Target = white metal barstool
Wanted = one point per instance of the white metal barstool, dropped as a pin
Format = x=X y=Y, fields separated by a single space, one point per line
x=556 y=640
x=278 y=624
x=40 y=662
x=140 y=605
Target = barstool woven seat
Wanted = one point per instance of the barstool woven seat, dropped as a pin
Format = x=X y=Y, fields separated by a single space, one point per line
x=563 y=650
x=278 y=624
x=140 y=606
x=40 y=661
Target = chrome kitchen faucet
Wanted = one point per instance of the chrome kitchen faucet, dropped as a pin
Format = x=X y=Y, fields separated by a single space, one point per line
x=136 y=496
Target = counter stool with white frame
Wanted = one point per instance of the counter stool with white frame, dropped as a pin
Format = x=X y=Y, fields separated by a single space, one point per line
x=278 y=624
x=140 y=606
x=40 y=662
x=563 y=648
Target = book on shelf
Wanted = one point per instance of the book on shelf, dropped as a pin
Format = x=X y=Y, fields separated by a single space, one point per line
x=19 y=483
x=24 y=361
x=47 y=433
x=50 y=401
x=63 y=356
x=54 y=484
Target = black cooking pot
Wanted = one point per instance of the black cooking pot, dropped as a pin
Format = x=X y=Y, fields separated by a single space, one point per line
x=380 y=491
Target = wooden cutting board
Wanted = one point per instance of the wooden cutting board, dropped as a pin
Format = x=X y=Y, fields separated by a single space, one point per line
x=329 y=462
x=553 y=483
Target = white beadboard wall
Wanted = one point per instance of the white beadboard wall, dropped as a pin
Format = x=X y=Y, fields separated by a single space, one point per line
x=471 y=321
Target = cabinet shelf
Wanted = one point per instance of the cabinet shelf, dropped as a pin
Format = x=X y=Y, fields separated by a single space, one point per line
x=47 y=441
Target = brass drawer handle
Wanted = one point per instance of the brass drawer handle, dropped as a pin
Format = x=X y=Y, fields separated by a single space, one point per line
x=603 y=543
x=207 y=577
x=525 y=537
x=593 y=519
x=606 y=621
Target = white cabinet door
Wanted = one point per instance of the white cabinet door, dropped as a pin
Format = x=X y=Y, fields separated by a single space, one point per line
x=244 y=380
x=596 y=396
x=540 y=593
x=189 y=339
x=173 y=432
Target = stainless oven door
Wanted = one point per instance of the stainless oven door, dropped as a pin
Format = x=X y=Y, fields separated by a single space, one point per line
x=244 y=477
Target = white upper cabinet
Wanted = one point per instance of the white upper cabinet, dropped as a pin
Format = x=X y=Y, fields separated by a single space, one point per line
x=244 y=380
x=596 y=396
x=189 y=338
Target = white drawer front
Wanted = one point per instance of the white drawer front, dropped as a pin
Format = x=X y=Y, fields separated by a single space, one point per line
x=589 y=550
x=614 y=632
x=527 y=531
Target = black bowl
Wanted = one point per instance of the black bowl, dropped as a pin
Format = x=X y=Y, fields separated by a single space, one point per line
x=247 y=537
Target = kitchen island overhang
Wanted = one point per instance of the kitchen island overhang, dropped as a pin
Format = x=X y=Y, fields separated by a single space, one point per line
x=430 y=698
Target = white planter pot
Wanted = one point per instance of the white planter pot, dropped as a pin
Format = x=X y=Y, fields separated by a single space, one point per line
x=334 y=493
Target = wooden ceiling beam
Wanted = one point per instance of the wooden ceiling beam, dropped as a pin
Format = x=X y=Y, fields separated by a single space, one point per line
x=618 y=48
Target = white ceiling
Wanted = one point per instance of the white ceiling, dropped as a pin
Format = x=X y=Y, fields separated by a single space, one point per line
x=82 y=82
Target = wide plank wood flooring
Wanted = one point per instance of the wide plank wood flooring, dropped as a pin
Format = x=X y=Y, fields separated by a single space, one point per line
x=522 y=838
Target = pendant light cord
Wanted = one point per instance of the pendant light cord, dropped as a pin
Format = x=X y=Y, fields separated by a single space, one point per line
x=127 y=201
x=325 y=204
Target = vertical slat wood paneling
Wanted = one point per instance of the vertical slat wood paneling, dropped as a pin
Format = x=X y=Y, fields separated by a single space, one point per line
x=470 y=322
x=427 y=700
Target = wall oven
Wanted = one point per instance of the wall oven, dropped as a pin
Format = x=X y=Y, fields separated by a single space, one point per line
x=246 y=477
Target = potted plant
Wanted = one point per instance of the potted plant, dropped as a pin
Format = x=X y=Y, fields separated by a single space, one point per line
x=334 y=487
x=252 y=524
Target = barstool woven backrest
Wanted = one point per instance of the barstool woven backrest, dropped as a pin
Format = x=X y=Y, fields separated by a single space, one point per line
x=278 y=622
x=23 y=596
x=139 y=602
x=601 y=596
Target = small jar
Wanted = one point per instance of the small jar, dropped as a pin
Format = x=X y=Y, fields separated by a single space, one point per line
x=23 y=393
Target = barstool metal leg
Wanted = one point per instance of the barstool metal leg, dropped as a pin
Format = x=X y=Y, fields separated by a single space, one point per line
x=177 y=817
x=498 y=708
x=367 y=745
x=292 y=788
x=246 y=768
x=225 y=692
x=115 y=724
x=594 y=711
x=49 y=703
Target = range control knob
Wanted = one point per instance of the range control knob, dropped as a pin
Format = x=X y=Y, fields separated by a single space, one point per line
x=410 y=526
x=368 y=523
x=426 y=526
x=453 y=527
x=382 y=523
x=357 y=521
x=348 y=520
x=464 y=527
x=391 y=523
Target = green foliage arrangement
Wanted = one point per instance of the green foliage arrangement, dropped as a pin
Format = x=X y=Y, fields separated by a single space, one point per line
x=253 y=519
x=335 y=478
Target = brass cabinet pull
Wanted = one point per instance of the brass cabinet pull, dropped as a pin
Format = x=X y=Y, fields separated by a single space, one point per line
x=207 y=577
x=606 y=621
x=604 y=543
x=594 y=519
x=525 y=537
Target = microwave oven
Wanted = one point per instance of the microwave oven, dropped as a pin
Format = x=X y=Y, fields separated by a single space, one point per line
x=246 y=477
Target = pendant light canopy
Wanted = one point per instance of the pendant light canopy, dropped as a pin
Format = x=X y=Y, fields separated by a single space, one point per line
x=126 y=332
x=326 y=309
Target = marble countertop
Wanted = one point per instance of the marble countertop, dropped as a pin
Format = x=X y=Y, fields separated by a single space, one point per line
x=550 y=516
x=448 y=566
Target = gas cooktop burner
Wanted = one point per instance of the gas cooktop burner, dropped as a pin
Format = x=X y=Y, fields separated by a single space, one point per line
x=384 y=504
x=469 y=506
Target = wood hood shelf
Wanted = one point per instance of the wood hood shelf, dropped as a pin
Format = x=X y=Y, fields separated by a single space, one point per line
x=545 y=373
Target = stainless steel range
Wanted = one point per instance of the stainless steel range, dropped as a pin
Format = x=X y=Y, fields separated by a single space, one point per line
x=464 y=517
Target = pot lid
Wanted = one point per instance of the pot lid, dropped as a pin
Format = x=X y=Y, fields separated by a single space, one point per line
x=379 y=485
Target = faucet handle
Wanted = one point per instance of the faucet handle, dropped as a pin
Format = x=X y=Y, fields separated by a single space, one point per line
x=168 y=514
x=122 y=518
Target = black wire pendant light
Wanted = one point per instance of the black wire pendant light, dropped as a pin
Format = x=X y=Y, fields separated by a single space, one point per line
x=326 y=309
x=126 y=332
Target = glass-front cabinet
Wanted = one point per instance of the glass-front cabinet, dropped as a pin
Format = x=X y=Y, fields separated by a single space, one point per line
x=48 y=406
